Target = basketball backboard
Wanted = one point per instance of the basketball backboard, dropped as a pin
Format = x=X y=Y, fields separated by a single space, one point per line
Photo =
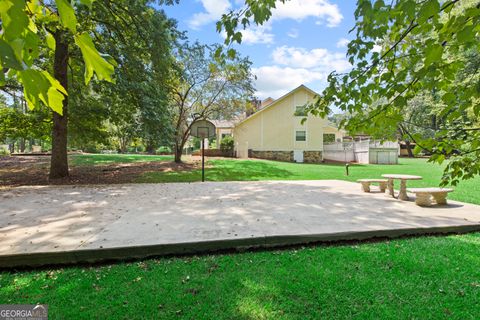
x=203 y=129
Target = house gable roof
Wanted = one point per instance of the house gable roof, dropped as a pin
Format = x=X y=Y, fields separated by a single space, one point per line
x=274 y=103
x=223 y=124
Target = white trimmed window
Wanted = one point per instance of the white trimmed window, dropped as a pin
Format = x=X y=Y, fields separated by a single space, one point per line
x=300 y=135
x=300 y=111
x=328 y=138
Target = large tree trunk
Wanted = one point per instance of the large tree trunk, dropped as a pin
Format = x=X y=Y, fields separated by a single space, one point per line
x=178 y=152
x=179 y=144
x=150 y=147
x=123 y=145
x=22 y=145
x=59 y=159
x=31 y=143
x=409 y=149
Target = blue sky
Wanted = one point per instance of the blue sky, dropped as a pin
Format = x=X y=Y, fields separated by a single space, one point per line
x=301 y=44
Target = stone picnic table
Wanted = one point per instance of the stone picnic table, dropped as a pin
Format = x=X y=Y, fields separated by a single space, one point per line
x=402 y=195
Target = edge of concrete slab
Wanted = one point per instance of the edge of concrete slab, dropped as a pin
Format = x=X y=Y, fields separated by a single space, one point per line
x=39 y=259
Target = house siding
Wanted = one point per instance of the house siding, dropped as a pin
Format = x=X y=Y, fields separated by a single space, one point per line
x=270 y=134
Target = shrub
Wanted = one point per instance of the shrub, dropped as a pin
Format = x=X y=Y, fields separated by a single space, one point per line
x=4 y=152
x=226 y=145
x=164 y=150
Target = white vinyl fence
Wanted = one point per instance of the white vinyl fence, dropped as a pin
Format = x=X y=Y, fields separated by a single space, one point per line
x=339 y=151
x=362 y=152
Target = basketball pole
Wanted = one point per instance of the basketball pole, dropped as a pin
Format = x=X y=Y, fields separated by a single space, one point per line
x=202 y=129
x=203 y=160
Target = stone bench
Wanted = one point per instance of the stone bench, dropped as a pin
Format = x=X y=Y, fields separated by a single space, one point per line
x=382 y=183
x=424 y=195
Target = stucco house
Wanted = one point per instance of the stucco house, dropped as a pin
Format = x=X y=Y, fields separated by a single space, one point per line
x=276 y=131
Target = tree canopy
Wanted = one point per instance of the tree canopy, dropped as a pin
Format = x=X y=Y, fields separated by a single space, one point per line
x=142 y=41
x=50 y=50
x=207 y=86
x=157 y=83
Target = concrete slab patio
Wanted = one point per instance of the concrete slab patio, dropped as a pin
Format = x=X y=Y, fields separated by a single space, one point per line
x=69 y=224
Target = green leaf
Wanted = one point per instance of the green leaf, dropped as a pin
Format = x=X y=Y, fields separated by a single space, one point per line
x=400 y=101
x=67 y=15
x=30 y=48
x=440 y=159
x=51 y=43
x=433 y=53
x=448 y=97
x=428 y=9
x=94 y=62
x=466 y=34
x=40 y=86
x=218 y=52
x=409 y=8
x=231 y=53
x=14 y=19
x=88 y=3
x=17 y=46
x=417 y=150
x=109 y=59
x=8 y=57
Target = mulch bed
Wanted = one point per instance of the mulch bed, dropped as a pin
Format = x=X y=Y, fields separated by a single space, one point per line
x=22 y=171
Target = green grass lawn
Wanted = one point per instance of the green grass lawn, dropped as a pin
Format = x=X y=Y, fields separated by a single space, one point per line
x=241 y=170
x=416 y=278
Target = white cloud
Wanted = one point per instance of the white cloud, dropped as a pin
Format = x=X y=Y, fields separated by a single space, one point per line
x=275 y=81
x=293 y=33
x=258 y=34
x=377 y=48
x=342 y=43
x=301 y=9
x=213 y=12
x=292 y=66
x=320 y=59
x=254 y=34
x=323 y=10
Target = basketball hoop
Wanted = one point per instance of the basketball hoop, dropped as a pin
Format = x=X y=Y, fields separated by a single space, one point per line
x=203 y=129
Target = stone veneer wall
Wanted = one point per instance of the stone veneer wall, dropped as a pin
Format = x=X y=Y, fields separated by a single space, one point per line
x=312 y=156
x=272 y=155
x=213 y=153
x=308 y=156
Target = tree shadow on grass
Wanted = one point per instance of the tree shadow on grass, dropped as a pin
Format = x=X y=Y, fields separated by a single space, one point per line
x=105 y=159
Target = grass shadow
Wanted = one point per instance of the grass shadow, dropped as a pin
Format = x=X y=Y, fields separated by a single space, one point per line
x=105 y=159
